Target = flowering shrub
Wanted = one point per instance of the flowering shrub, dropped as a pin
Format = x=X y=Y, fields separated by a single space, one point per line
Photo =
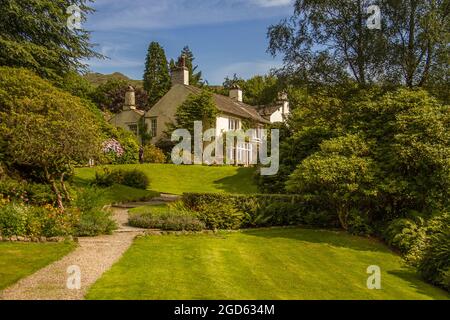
x=113 y=146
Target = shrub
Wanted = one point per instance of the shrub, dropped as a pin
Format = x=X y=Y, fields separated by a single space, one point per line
x=152 y=154
x=23 y=220
x=136 y=179
x=435 y=264
x=402 y=234
x=262 y=210
x=174 y=217
x=218 y=215
x=169 y=221
x=131 y=178
x=95 y=222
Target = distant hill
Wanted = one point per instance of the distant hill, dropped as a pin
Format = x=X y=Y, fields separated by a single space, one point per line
x=97 y=79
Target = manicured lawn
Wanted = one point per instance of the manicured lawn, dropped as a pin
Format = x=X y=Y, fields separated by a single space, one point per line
x=259 y=264
x=167 y=178
x=123 y=194
x=18 y=260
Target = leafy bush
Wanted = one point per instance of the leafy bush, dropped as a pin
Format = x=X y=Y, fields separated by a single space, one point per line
x=260 y=210
x=131 y=178
x=23 y=220
x=174 y=217
x=152 y=154
x=402 y=234
x=169 y=222
x=435 y=264
x=217 y=215
x=27 y=192
x=121 y=147
x=95 y=222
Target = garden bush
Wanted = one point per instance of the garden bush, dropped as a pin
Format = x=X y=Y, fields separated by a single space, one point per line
x=24 y=220
x=131 y=178
x=260 y=210
x=174 y=217
x=94 y=219
x=153 y=154
x=95 y=222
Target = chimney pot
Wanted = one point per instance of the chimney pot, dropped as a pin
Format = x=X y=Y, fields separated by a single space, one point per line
x=130 y=99
x=236 y=93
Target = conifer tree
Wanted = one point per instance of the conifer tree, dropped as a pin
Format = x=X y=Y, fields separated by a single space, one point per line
x=157 y=80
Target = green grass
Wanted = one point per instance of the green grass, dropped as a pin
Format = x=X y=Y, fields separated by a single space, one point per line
x=160 y=208
x=167 y=178
x=259 y=264
x=18 y=260
x=123 y=194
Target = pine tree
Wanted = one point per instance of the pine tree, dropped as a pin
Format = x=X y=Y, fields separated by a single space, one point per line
x=195 y=78
x=157 y=80
x=34 y=34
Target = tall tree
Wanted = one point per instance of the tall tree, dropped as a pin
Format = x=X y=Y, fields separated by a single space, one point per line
x=34 y=34
x=327 y=41
x=195 y=77
x=157 y=80
x=418 y=40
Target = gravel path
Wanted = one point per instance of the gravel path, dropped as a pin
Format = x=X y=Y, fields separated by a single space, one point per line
x=93 y=256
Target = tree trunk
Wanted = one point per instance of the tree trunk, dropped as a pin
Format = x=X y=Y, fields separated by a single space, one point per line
x=63 y=186
x=411 y=57
x=52 y=182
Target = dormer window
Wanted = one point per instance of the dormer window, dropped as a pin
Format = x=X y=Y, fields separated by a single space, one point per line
x=234 y=124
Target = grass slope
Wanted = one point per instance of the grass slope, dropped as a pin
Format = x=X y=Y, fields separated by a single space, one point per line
x=259 y=264
x=167 y=178
x=18 y=260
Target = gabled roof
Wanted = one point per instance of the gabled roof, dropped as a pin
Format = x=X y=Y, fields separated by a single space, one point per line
x=232 y=107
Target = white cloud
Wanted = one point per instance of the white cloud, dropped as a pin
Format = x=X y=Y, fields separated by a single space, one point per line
x=272 y=3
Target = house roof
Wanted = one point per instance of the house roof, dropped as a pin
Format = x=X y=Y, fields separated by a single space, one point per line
x=233 y=107
x=267 y=110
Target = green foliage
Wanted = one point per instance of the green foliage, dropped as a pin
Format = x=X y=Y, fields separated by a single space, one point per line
x=110 y=96
x=157 y=81
x=411 y=49
x=128 y=142
x=381 y=154
x=197 y=107
x=242 y=211
x=34 y=35
x=131 y=178
x=435 y=264
x=424 y=244
x=45 y=129
x=95 y=222
x=195 y=77
x=23 y=220
x=153 y=154
x=172 y=218
x=258 y=90
x=339 y=174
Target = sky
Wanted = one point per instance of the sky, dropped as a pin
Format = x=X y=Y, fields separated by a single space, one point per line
x=226 y=36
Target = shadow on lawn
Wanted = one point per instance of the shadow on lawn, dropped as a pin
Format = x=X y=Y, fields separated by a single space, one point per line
x=330 y=237
x=410 y=275
x=240 y=183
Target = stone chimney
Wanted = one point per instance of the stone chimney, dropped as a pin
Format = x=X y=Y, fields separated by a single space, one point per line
x=130 y=99
x=283 y=102
x=236 y=93
x=180 y=74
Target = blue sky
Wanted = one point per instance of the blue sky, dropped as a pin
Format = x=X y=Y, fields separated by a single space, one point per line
x=226 y=36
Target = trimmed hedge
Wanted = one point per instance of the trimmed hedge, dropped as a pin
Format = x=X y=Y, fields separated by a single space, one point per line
x=223 y=211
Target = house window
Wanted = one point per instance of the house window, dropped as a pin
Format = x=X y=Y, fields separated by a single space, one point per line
x=154 y=127
x=133 y=128
x=234 y=124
